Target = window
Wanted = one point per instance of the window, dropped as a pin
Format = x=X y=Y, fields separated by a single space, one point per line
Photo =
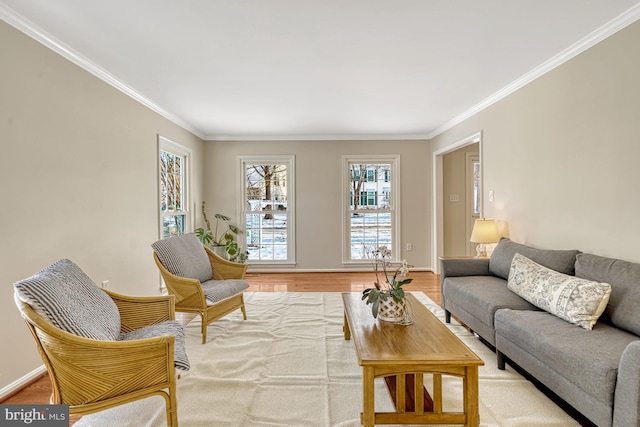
x=370 y=206
x=268 y=208
x=173 y=186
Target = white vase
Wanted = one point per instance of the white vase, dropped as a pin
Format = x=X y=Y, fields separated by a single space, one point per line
x=221 y=251
x=391 y=311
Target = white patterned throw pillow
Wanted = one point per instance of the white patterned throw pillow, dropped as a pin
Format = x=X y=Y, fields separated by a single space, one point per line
x=578 y=301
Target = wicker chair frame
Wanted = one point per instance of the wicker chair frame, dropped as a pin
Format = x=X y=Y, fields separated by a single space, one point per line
x=190 y=297
x=93 y=375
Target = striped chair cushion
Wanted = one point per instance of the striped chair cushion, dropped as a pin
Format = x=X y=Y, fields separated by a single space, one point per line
x=217 y=290
x=184 y=256
x=64 y=295
x=168 y=328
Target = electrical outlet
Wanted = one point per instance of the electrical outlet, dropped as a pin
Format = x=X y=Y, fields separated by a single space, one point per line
x=105 y=284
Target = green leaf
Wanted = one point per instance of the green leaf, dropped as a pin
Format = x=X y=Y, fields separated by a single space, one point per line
x=205 y=236
x=373 y=297
x=222 y=217
x=374 y=308
x=235 y=229
x=398 y=294
x=232 y=248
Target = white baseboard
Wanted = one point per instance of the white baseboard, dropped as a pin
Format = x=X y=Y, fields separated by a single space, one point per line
x=21 y=382
x=275 y=269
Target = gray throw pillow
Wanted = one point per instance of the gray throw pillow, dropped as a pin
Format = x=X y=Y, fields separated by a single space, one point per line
x=624 y=278
x=184 y=256
x=64 y=295
x=562 y=261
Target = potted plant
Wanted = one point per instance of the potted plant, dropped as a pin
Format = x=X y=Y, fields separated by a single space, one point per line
x=223 y=243
x=387 y=296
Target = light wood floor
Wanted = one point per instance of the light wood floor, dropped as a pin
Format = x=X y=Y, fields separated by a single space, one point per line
x=40 y=390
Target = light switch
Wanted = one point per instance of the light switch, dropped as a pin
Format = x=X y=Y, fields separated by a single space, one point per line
x=491 y=195
x=454 y=198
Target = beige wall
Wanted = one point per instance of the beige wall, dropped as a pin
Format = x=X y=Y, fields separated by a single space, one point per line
x=561 y=154
x=79 y=181
x=319 y=193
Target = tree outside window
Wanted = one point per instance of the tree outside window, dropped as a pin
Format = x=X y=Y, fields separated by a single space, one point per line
x=267 y=212
x=173 y=189
x=371 y=213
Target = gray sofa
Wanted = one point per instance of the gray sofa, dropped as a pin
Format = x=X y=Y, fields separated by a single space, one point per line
x=596 y=371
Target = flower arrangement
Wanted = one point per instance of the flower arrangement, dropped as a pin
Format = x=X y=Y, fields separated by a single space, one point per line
x=387 y=284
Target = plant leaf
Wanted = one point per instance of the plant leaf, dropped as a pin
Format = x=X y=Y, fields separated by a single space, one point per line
x=398 y=294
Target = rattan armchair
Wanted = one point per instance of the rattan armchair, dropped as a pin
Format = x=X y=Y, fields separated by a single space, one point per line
x=91 y=375
x=191 y=297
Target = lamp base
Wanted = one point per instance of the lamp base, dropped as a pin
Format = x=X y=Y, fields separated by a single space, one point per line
x=481 y=250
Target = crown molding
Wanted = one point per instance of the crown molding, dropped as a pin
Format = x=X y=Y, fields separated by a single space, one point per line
x=616 y=24
x=333 y=137
x=27 y=27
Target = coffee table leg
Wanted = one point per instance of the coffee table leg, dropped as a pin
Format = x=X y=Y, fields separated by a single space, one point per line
x=471 y=397
x=345 y=328
x=368 y=410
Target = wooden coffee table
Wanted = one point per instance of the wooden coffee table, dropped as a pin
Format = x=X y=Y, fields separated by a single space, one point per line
x=402 y=354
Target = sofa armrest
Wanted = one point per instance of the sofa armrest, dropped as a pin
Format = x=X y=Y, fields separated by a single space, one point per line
x=464 y=267
x=627 y=395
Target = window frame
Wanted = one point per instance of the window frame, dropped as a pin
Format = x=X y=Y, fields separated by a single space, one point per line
x=185 y=153
x=394 y=198
x=289 y=161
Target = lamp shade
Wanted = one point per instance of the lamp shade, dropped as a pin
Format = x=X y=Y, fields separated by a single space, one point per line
x=485 y=231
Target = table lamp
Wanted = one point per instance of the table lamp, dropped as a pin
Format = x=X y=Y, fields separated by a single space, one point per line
x=484 y=231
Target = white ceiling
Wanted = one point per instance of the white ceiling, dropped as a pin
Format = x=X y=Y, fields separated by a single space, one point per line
x=316 y=69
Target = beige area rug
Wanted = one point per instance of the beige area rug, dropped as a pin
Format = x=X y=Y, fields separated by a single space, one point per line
x=289 y=365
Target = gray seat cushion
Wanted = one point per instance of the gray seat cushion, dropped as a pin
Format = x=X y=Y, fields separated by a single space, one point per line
x=167 y=328
x=64 y=295
x=217 y=290
x=562 y=261
x=184 y=256
x=588 y=359
x=624 y=278
x=483 y=295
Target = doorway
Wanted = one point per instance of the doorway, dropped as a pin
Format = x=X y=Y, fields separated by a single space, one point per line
x=452 y=224
x=460 y=179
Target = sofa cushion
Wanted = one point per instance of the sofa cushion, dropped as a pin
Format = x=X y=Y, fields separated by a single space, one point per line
x=184 y=256
x=167 y=328
x=624 y=278
x=588 y=359
x=481 y=296
x=562 y=261
x=65 y=296
x=576 y=300
x=217 y=290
